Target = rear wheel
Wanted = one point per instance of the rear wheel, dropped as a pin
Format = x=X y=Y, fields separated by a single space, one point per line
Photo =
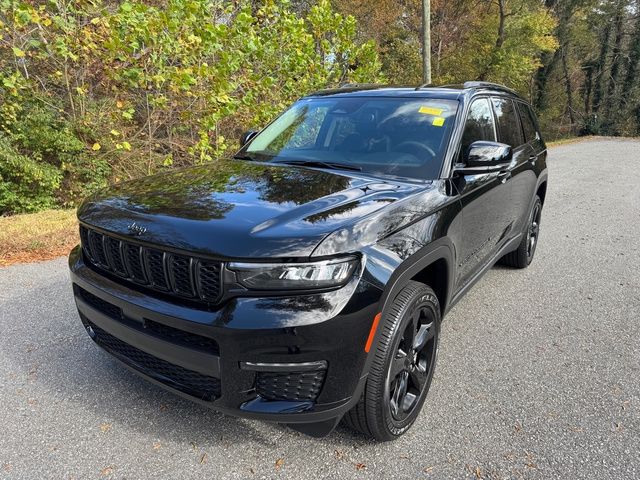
x=403 y=366
x=523 y=255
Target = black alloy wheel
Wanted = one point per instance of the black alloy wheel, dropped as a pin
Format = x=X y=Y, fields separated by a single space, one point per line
x=402 y=366
x=534 y=230
x=412 y=364
x=523 y=255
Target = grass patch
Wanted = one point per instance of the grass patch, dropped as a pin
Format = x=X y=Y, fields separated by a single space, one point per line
x=565 y=141
x=38 y=236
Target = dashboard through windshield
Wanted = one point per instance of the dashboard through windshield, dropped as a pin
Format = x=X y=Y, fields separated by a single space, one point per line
x=404 y=137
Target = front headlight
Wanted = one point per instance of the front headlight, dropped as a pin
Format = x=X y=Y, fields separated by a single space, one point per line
x=290 y=276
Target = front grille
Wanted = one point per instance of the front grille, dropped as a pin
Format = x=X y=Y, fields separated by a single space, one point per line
x=180 y=275
x=150 y=327
x=187 y=381
x=292 y=386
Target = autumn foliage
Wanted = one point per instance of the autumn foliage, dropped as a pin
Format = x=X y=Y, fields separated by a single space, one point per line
x=96 y=91
x=92 y=92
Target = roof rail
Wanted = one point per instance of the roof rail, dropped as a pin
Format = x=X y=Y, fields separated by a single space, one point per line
x=425 y=85
x=495 y=86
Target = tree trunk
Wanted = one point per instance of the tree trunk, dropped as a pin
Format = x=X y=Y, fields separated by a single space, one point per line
x=426 y=41
x=569 y=87
x=589 y=67
x=542 y=76
x=614 y=76
x=634 y=60
x=601 y=65
x=500 y=38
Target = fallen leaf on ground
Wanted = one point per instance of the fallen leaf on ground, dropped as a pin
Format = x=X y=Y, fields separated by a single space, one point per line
x=530 y=458
x=157 y=445
x=105 y=427
x=203 y=458
x=106 y=471
x=360 y=466
x=339 y=454
x=279 y=463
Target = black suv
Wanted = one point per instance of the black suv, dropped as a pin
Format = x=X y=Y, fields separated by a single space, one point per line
x=305 y=279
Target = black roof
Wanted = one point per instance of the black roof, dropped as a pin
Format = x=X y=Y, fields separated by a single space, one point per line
x=423 y=91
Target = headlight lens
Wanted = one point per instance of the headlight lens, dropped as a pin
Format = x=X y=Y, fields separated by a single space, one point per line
x=290 y=276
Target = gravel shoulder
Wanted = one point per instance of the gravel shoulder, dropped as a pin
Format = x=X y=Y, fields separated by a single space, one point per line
x=538 y=374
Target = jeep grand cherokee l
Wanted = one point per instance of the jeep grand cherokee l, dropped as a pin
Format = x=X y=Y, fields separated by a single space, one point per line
x=304 y=281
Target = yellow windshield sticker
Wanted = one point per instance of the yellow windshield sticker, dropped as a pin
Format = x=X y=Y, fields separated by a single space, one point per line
x=438 y=122
x=431 y=110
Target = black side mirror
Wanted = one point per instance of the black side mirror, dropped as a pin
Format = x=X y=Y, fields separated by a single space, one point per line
x=483 y=157
x=246 y=136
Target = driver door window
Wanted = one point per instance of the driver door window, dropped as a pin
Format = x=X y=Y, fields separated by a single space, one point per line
x=480 y=124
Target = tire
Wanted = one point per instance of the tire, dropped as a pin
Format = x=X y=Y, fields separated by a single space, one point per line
x=523 y=255
x=388 y=407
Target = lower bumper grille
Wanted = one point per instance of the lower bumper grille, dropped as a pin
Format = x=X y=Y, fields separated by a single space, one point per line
x=187 y=381
x=149 y=327
x=292 y=386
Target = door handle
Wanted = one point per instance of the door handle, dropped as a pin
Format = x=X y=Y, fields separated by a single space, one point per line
x=533 y=158
x=504 y=176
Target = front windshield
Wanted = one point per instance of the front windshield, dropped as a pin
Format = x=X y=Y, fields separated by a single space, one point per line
x=403 y=137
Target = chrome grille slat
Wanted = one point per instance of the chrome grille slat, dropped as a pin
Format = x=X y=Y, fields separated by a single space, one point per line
x=170 y=273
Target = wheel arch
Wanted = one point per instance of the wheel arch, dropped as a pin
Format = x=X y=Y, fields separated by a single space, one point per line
x=433 y=266
x=541 y=191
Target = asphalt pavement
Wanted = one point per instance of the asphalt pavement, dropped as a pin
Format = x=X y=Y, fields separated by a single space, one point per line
x=538 y=374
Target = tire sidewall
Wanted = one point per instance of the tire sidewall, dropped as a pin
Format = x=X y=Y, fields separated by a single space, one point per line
x=536 y=203
x=422 y=297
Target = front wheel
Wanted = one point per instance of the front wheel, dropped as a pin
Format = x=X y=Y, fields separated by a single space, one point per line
x=523 y=255
x=403 y=365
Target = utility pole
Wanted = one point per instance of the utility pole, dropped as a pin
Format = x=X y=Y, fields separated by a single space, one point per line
x=426 y=41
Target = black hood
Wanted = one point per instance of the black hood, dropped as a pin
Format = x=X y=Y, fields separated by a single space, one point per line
x=240 y=209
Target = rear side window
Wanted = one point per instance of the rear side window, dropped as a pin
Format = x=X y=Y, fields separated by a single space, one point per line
x=479 y=125
x=509 y=131
x=528 y=125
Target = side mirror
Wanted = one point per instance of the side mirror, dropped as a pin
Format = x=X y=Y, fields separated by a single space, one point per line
x=484 y=157
x=246 y=136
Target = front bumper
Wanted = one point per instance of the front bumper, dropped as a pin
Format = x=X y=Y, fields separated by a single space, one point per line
x=292 y=360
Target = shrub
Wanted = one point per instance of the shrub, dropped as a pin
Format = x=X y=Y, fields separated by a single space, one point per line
x=26 y=183
x=101 y=91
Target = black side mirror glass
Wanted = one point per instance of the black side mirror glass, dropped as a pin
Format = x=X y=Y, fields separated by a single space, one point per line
x=246 y=136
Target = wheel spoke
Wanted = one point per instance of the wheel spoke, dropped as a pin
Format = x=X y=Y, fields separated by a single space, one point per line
x=397 y=364
x=408 y=401
x=418 y=378
x=425 y=333
x=403 y=385
x=397 y=396
x=410 y=332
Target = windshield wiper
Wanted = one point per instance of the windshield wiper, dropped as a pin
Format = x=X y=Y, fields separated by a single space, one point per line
x=244 y=157
x=321 y=164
